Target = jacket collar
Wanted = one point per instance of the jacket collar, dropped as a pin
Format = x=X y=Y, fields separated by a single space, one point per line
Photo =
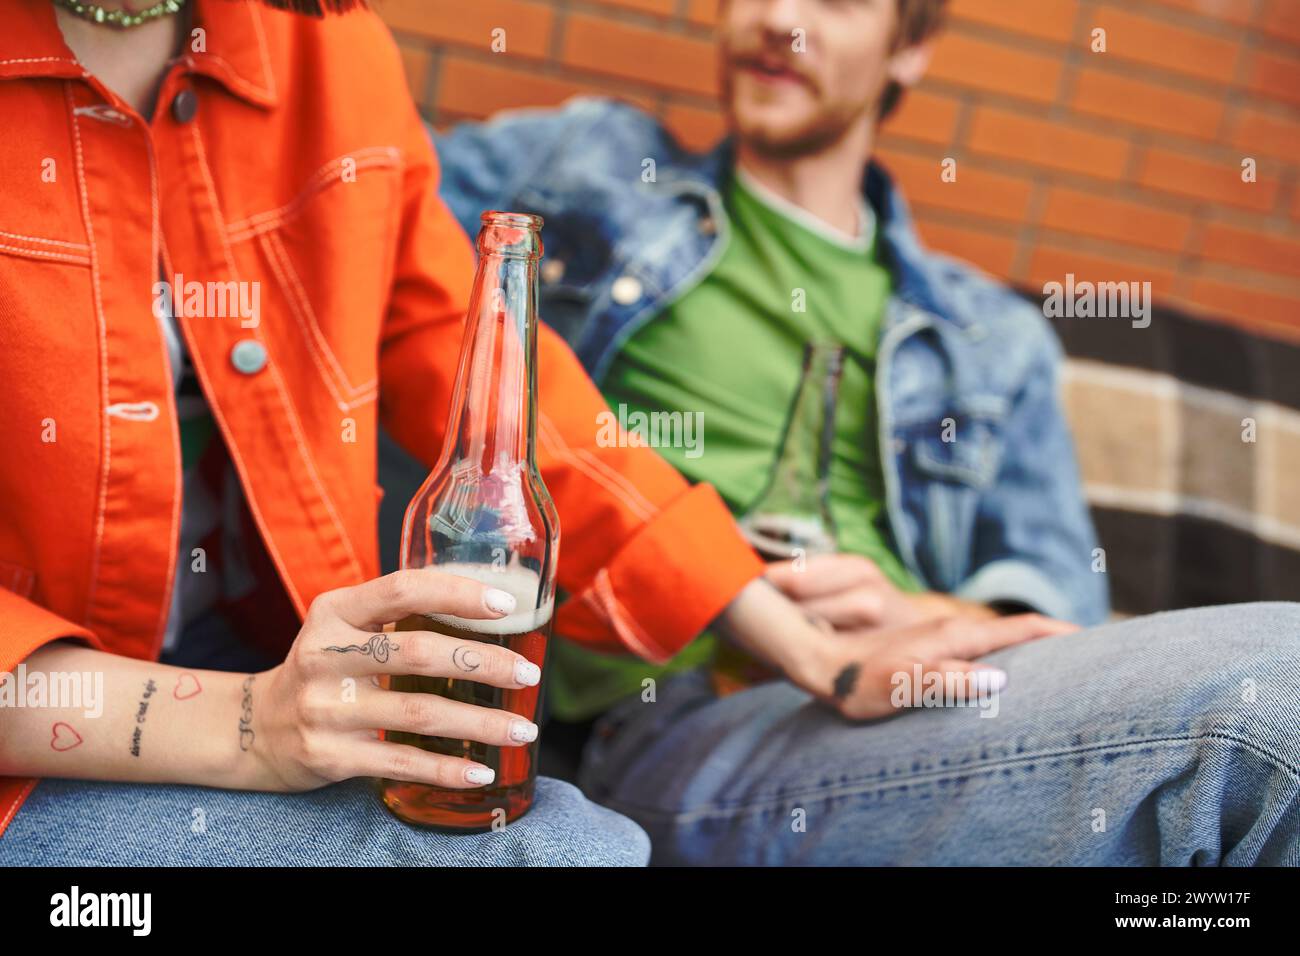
x=904 y=255
x=236 y=52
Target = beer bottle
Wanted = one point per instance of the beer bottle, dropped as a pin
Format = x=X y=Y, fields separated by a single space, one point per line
x=484 y=513
x=791 y=518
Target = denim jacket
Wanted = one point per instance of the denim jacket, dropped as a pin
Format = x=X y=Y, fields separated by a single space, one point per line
x=982 y=488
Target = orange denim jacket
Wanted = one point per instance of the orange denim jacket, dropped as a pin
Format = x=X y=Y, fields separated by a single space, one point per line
x=285 y=152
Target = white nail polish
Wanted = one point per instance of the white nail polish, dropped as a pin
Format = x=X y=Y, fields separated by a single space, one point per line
x=498 y=601
x=990 y=681
x=523 y=731
x=480 y=775
x=527 y=673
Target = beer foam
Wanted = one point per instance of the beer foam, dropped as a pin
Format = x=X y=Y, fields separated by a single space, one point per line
x=520 y=582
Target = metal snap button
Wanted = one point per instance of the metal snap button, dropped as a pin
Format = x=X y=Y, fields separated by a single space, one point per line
x=248 y=356
x=626 y=290
x=184 y=105
x=552 y=271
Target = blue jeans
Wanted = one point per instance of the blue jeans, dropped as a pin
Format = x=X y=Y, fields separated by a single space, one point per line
x=84 y=823
x=1172 y=739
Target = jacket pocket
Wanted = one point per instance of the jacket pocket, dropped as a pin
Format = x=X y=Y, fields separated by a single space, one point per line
x=951 y=476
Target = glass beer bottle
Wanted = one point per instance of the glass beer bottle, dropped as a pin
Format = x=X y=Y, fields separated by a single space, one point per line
x=791 y=518
x=484 y=513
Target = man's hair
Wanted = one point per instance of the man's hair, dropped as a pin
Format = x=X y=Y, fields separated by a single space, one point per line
x=918 y=20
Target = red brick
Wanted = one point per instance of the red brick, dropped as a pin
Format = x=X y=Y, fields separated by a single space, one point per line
x=1254 y=309
x=1087 y=214
x=1240 y=12
x=415 y=63
x=1017 y=137
x=527 y=25
x=1251 y=248
x=662 y=8
x=1275 y=76
x=996 y=68
x=659 y=59
x=992 y=253
x=1208 y=182
x=1255 y=132
x=703 y=11
x=1282 y=19
x=926 y=116
x=1147 y=104
x=980 y=193
x=1044 y=19
x=1051 y=263
x=471 y=88
x=695 y=128
x=1155 y=43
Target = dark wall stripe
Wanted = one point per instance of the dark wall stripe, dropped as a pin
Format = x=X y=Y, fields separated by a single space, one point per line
x=1159 y=563
x=1193 y=350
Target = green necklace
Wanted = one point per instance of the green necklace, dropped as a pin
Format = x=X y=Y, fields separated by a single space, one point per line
x=121 y=18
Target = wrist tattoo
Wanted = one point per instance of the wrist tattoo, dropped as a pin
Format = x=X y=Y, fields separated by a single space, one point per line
x=377 y=647
x=141 y=713
x=845 y=681
x=246 y=734
x=187 y=686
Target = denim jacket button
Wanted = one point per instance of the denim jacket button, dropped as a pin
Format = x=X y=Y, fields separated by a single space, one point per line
x=248 y=356
x=552 y=271
x=626 y=290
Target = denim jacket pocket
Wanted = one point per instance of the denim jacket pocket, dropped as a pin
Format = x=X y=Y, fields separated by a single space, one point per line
x=952 y=475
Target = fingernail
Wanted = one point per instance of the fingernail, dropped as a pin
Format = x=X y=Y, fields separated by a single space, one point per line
x=498 y=601
x=990 y=680
x=527 y=673
x=480 y=775
x=523 y=731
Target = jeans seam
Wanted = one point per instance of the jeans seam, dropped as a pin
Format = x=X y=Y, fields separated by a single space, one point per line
x=865 y=786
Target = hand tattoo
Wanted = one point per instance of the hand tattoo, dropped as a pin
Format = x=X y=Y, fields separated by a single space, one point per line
x=149 y=688
x=246 y=716
x=377 y=647
x=845 y=681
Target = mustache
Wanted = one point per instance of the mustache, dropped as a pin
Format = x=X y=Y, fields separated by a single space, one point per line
x=770 y=57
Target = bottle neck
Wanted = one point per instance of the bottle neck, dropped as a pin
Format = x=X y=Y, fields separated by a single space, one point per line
x=493 y=426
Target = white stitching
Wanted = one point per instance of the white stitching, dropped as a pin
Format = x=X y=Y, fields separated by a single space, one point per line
x=134 y=411
x=305 y=302
x=103 y=355
x=560 y=449
x=382 y=157
x=294 y=425
x=49 y=242
x=62 y=256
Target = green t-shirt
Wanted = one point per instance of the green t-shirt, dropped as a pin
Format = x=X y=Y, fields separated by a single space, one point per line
x=732 y=348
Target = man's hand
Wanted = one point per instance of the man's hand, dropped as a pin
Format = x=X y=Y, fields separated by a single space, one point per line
x=849 y=593
x=855 y=675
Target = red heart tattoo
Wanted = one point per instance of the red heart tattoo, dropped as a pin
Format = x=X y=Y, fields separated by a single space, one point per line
x=187 y=686
x=64 y=737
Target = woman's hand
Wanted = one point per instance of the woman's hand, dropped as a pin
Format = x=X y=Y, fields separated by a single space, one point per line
x=315 y=718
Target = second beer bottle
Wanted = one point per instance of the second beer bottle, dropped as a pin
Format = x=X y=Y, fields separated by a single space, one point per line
x=484 y=513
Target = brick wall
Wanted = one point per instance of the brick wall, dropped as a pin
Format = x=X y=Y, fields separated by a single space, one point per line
x=1118 y=165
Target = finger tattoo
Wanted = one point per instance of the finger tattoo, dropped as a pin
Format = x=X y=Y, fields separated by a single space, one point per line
x=377 y=647
x=466 y=658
